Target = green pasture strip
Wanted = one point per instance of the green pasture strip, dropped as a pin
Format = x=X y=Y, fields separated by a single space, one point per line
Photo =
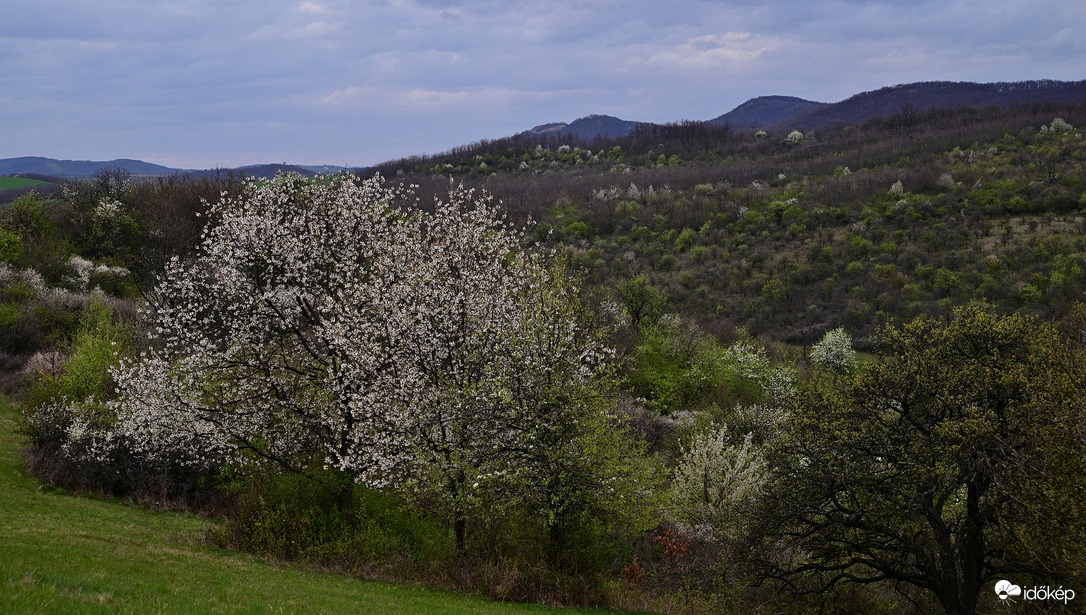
x=13 y=183
x=64 y=553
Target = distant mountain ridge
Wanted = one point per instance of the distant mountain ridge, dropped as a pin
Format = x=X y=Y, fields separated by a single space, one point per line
x=52 y=167
x=587 y=128
x=77 y=168
x=763 y=112
x=931 y=94
x=788 y=112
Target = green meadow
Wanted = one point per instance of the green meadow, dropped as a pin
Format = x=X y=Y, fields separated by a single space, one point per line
x=67 y=553
x=15 y=183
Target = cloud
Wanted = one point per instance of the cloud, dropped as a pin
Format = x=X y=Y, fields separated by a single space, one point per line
x=425 y=101
x=713 y=52
x=319 y=71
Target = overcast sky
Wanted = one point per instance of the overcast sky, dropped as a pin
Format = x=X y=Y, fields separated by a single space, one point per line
x=210 y=83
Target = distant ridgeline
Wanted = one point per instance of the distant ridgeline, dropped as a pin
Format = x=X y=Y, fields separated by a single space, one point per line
x=53 y=169
x=770 y=113
x=778 y=112
x=761 y=113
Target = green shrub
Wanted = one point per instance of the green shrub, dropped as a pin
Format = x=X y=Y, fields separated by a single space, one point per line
x=668 y=262
x=699 y=254
x=578 y=230
x=685 y=239
x=291 y=516
x=11 y=246
x=98 y=346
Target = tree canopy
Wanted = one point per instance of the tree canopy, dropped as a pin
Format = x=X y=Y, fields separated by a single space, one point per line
x=338 y=326
x=911 y=471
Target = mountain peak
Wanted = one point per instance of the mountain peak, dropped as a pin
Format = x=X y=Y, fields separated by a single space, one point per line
x=765 y=111
x=588 y=127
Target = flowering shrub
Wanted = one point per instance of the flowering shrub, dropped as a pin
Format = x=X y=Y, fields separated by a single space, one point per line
x=716 y=479
x=834 y=352
x=774 y=382
x=1058 y=125
x=88 y=275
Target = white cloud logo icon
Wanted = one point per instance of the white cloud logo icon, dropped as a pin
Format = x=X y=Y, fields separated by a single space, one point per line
x=1005 y=589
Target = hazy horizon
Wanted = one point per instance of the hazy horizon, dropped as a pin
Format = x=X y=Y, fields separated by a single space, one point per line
x=204 y=85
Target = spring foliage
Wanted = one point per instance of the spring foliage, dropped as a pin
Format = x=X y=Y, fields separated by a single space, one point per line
x=336 y=326
x=717 y=480
x=913 y=469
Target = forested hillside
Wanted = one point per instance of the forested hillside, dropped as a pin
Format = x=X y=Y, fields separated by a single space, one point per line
x=791 y=235
x=690 y=370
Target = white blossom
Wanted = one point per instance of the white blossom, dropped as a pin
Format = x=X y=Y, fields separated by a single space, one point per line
x=716 y=477
x=336 y=322
x=834 y=351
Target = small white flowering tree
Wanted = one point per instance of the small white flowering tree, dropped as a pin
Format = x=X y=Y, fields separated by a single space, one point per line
x=1060 y=125
x=834 y=352
x=717 y=479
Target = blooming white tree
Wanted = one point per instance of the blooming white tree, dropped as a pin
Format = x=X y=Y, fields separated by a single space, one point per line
x=834 y=351
x=1059 y=125
x=336 y=325
x=281 y=333
x=717 y=478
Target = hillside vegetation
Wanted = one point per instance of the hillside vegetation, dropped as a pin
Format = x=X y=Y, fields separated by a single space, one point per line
x=790 y=237
x=14 y=187
x=691 y=369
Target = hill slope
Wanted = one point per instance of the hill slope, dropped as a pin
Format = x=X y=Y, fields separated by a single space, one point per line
x=765 y=111
x=69 y=554
x=787 y=112
x=587 y=128
x=78 y=168
x=36 y=165
x=932 y=94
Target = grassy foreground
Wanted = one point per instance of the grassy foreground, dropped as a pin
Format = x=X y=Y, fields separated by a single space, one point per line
x=61 y=553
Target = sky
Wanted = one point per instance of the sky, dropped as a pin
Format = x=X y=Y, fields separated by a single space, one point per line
x=222 y=83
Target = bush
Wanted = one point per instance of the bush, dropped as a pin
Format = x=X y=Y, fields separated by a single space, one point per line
x=834 y=352
x=76 y=438
x=32 y=316
x=718 y=479
x=96 y=349
x=296 y=517
x=11 y=246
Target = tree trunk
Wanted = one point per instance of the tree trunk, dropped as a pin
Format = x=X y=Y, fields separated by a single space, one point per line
x=459 y=514
x=459 y=530
x=972 y=549
x=346 y=496
x=343 y=489
x=555 y=544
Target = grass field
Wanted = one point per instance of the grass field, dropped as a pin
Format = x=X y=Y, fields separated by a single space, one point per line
x=15 y=183
x=64 y=553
